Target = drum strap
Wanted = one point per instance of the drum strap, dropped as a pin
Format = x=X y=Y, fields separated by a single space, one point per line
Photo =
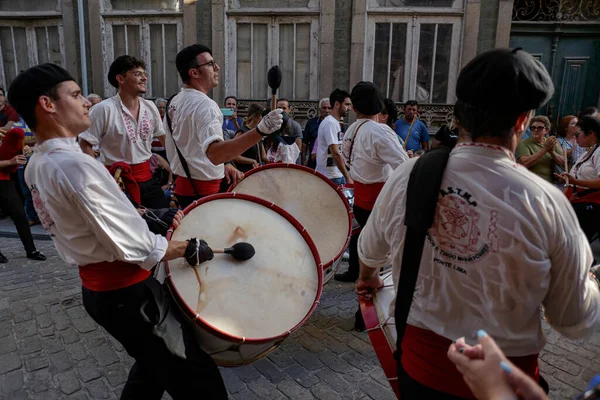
x=182 y=160
x=421 y=201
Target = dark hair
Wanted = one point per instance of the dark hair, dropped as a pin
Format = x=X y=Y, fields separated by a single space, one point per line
x=477 y=121
x=121 y=66
x=283 y=99
x=411 y=103
x=588 y=111
x=2 y=90
x=391 y=110
x=28 y=114
x=186 y=59
x=563 y=125
x=338 y=96
x=254 y=109
x=589 y=124
x=229 y=97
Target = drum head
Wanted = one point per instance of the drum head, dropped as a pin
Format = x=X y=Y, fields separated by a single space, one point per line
x=309 y=197
x=265 y=297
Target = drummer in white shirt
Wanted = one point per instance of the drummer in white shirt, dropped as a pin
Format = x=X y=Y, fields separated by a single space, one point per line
x=124 y=126
x=194 y=122
x=584 y=177
x=94 y=226
x=504 y=242
x=372 y=151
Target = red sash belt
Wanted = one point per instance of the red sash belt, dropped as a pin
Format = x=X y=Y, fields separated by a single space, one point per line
x=4 y=175
x=365 y=194
x=104 y=276
x=141 y=172
x=587 y=196
x=424 y=357
x=183 y=187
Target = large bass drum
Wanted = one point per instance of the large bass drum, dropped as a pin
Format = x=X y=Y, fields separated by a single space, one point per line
x=316 y=202
x=243 y=310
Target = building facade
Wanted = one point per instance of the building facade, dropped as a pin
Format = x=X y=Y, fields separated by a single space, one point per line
x=413 y=49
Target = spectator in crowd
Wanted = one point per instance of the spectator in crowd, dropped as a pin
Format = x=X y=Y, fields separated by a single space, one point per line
x=162 y=174
x=419 y=136
x=231 y=124
x=27 y=199
x=157 y=146
x=311 y=129
x=293 y=129
x=489 y=373
x=94 y=99
x=389 y=114
x=539 y=153
x=329 y=139
x=281 y=149
x=11 y=156
x=585 y=176
x=8 y=116
x=255 y=155
x=566 y=137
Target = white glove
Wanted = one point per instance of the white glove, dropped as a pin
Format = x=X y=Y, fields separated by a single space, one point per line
x=271 y=122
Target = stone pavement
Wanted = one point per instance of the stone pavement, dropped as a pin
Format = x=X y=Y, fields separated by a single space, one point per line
x=51 y=349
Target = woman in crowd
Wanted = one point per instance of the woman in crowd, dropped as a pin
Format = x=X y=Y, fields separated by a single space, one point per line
x=255 y=155
x=584 y=177
x=11 y=157
x=282 y=148
x=539 y=153
x=566 y=137
x=389 y=114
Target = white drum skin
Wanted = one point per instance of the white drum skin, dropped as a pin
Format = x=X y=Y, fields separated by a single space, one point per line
x=309 y=197
x=244 y=309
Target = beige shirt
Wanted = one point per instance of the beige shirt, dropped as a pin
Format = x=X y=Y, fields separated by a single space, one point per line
x=504 y=242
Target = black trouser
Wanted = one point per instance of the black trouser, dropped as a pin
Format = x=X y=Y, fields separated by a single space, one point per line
x=12 y=205
x=362 y=216
x=588 y=215
x=411 y=389
x=152 y=195
x=150 y=326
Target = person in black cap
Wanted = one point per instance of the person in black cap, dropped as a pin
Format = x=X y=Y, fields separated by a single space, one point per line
x=197 y=150
x=503 y=242
x=94 y=225
x=372 y=151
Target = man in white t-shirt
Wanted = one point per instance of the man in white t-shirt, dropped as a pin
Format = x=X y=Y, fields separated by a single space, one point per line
x=96 y=229
x=329 y=158
x=195 y=124
x=504 y=242
x=124 y=126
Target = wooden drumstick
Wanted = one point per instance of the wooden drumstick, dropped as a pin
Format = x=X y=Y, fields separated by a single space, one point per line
x=118 y=173
x=240 y=251
x=564 y=149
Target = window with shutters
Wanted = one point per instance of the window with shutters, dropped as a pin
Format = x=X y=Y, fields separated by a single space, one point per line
x=150 y=30
x=257 y=43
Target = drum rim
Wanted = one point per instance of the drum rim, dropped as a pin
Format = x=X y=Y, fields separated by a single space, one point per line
x=197 y=320
x=338 y=190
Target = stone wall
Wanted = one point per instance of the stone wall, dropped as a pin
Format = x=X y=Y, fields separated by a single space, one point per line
x=488 y=23
x=341 y=54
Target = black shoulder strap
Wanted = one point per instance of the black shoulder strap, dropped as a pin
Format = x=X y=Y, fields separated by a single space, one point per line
x=182 y=160
x=421 y=200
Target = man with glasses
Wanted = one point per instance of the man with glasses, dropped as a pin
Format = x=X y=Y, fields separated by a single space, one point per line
x=197 y=150
x=123 y=127
x=539 y=153
x=310 y=132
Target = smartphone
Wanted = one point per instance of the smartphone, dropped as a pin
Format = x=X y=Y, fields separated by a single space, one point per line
x=227 y=112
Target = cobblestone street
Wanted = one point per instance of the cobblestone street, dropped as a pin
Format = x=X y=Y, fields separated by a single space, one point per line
x=51 y=349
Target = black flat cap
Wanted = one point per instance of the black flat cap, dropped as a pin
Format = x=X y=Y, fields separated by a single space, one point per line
x=366 y=98
x=185 y=57
x=505 y=79
x=34 y=82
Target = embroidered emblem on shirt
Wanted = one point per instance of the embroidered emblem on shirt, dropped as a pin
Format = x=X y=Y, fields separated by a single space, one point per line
x=456 y=232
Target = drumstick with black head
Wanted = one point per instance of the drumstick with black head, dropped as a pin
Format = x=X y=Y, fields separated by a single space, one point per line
x=240 y=251
x=274 y=81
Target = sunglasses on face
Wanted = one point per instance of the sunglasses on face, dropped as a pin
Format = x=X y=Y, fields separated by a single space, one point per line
x=538 y=128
